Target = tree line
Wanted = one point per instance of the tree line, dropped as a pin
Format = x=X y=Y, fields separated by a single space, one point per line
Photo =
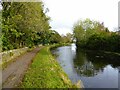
x=94 y=35
x=25 y=24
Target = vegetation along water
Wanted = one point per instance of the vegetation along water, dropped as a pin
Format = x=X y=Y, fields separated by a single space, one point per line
x=94 y=58
x=94 y=69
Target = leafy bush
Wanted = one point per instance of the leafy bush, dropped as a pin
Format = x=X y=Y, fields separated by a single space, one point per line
x=93 y=35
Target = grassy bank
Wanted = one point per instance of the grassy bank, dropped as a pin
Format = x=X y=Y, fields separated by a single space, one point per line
x=45 y=72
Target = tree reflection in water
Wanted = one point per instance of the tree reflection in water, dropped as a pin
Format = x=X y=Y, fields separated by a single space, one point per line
x=91 y=63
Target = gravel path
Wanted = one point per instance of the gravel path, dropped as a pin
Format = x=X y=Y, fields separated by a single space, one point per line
x=12 y=75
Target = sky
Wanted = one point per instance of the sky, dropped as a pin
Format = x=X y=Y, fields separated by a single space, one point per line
x=64 y=13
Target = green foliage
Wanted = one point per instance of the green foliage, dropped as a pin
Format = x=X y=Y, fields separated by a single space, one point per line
x=68 y=38
x=26 y=24
x=48 y=37
x=54 y=37
x=21 y=23
x=93 y=35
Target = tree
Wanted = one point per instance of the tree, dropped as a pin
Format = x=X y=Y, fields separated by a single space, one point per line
x=94 y=35
x=70 y=37
x=21 y=23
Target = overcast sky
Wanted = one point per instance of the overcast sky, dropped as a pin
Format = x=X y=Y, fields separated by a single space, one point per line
x=64 y=13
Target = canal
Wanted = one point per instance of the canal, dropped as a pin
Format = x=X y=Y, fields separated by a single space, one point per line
x=95 y=69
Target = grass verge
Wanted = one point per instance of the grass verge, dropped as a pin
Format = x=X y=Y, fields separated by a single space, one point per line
x=45 y=72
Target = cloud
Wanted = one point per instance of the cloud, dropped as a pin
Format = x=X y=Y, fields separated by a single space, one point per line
x=63 y=31
x=58 y=24
x=64 y=13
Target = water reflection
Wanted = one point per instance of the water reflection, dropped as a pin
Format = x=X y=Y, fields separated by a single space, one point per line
x=95 y=69
x=90 y=63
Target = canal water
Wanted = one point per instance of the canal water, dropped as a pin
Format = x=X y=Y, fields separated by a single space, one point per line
x=95 y=69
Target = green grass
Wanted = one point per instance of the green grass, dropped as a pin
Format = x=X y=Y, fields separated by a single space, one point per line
x=45 y=72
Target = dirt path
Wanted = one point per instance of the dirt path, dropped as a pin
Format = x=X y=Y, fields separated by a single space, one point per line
x=13 y=74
